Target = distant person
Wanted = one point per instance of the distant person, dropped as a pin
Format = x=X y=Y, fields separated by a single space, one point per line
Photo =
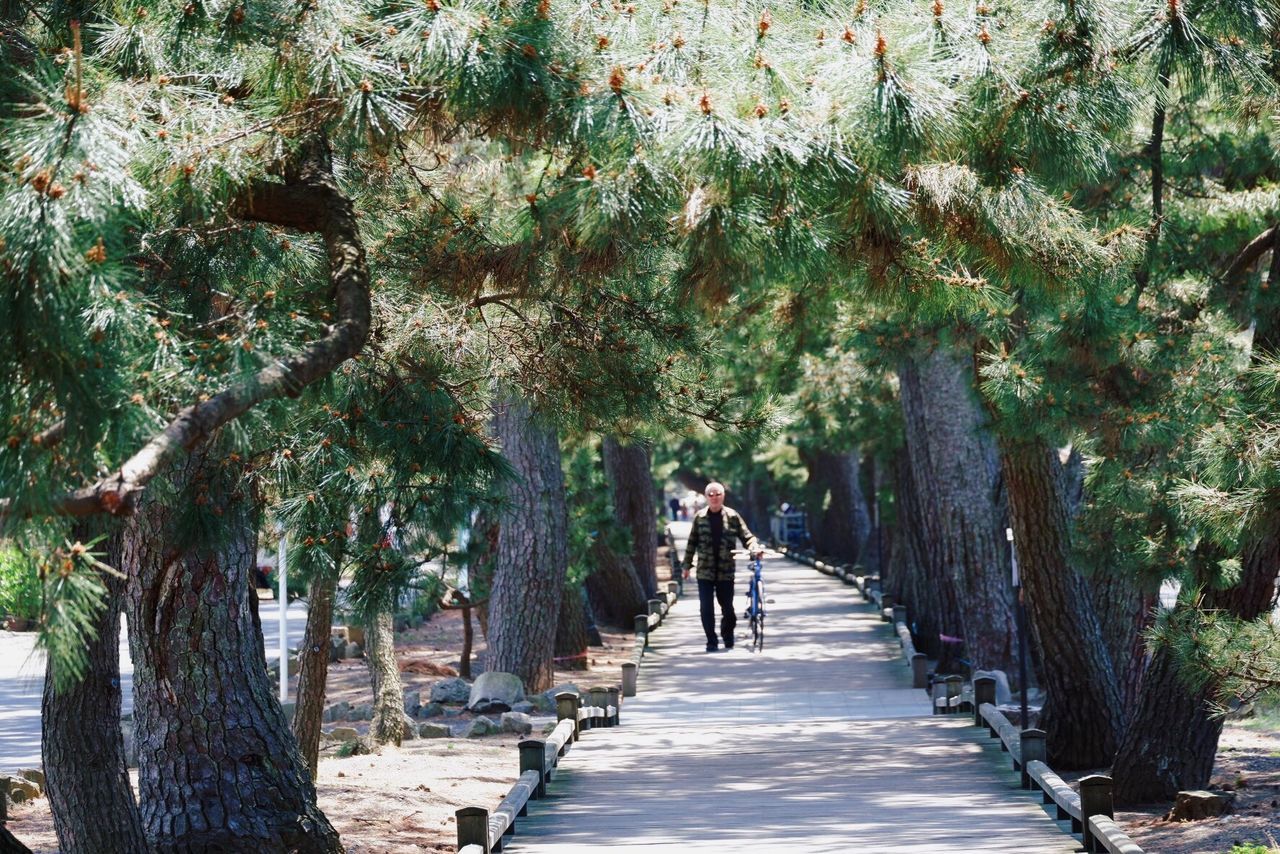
x=674 y=504
x=710 y=551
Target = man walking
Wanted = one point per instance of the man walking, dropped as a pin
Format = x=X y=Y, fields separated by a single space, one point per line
x=710 y=550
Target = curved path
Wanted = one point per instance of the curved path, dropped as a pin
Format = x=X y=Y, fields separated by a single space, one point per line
x=817 y=744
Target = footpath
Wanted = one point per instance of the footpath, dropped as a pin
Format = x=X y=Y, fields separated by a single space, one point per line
x=816 y=744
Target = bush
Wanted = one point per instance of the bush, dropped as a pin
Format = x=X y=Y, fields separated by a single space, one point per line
x=20 y=589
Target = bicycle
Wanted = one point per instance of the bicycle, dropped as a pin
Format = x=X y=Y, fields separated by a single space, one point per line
x=755 y=612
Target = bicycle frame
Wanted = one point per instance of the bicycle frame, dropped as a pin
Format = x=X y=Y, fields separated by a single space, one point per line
x=755 y=610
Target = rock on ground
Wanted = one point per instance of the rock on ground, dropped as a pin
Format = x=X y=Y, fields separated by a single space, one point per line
x=455 y=690
x=516 y=722
x=495 y=692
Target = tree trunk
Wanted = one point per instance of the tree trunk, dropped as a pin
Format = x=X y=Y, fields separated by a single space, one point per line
x=916 y=582
x=532 y=556
x=468 y=640
x=313 y=665
x=482 y=555
x=571 y=630
x=218 y=768
x=635 y=505
x=954 y=472
x=388 y=691
x=86 y=778
x=844 y=523
x=1082 y=715
x=615 y=592
x=1172 y=740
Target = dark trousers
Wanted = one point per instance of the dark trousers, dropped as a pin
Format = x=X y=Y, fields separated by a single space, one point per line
x=710 y=592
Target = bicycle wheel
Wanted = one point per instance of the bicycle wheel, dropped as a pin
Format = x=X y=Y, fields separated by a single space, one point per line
x=758 y=627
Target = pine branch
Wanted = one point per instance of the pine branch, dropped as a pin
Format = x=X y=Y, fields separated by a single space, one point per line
x=1249 y=255
x=308 y=201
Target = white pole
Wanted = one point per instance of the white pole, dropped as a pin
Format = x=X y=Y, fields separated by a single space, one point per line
x=283 y=597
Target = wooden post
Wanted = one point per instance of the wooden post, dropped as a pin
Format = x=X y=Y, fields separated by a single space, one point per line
x=1095 y=799
x=886 y=602
x=899 y=614
x=642 y=629
x=567 y=704
x=473 y=828
x=655 y=607
x=614 y=698
x=600 y=699
x=629 y=674
x=533 y=757
x=673 y=587
x=919 y=670
x=1034 y=748
x=984 y=691
x=954 y=683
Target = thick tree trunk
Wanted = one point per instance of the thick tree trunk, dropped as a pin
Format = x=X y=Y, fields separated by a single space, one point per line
x=1172 y=739
x=313 y=666
x=917 y=582
x=532 y=557
x=387 y=726
x=86 y=779
x=635 y=505
x=1125 y=609
x=954 y=472
x=218 y=768
x=1082 y=715
x=843 y=524
x=615 y=592
x=571 y=630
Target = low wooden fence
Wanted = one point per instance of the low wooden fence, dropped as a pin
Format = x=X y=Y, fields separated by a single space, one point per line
x=481 y=831
x=1090 y=810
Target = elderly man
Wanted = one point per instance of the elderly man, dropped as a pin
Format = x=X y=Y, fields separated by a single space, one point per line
x=710 y=551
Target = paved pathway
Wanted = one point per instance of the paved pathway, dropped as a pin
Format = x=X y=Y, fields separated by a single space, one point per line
x=22 y=682
x=817 y=744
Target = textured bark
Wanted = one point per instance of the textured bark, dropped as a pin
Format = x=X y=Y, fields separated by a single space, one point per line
x=635 y=503
x=1082 y=715
x=532 y=556
x=835 y=502
x=1172 y=738
x=571 y=630
x=218 y=768
x=313 y=667
x=615 y=592
x=387 y=726
x=86 y=778
x=1124 y=605
x=1125 y=609
x=954 y=472
x=916 y=581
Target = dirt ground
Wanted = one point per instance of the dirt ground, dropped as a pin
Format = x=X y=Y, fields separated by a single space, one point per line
x=1248 y=763
x=401 y=800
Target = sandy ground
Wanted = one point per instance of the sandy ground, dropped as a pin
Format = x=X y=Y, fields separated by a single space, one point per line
x=401 y=800
x=1248 y=762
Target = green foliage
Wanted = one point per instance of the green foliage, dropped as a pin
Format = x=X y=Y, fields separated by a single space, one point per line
x=1254 y=848
x=20 y=588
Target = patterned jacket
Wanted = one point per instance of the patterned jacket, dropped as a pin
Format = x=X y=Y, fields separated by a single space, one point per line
x=698 y=553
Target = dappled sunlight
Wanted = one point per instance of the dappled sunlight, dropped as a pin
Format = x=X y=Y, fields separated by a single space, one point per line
x=817 y=744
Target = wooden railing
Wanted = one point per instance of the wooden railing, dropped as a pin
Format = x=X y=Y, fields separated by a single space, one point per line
x=1090 y=810
x=644 y=624
x=481 y=831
